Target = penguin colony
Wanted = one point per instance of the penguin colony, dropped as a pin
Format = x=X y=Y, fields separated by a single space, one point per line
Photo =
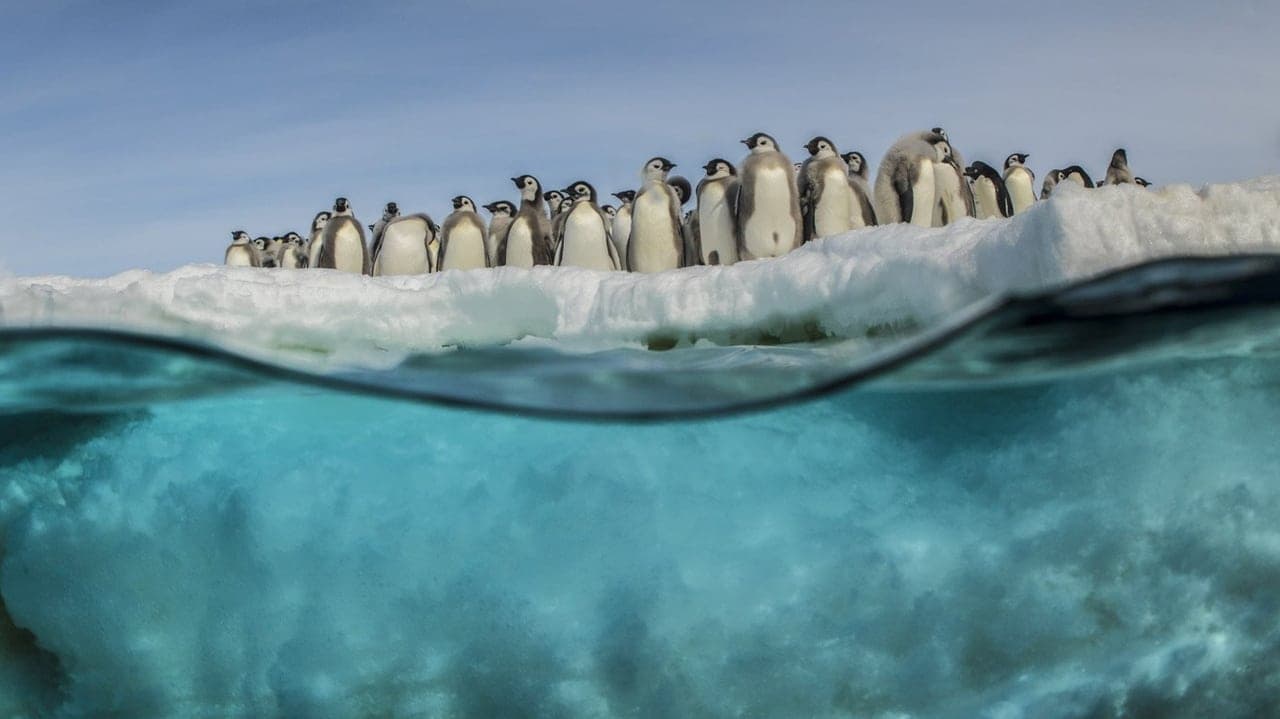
x=765 y=207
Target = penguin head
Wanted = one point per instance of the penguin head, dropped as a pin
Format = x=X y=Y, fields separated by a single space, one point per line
x=501 y=207
x=390 y=211
x=657 y=168
x=293 y=238
x=940 y=131
x=971 y=171
x=1015 y=160
x=683 y=189
x=856 y=162
x=760 y=142
x=626 y=195
x=341 y=207
x=321 y=219
x=261 y=242
x=720 y=167
x=1141 y=182
x=582 y=191
x=820 y=147
x=239 y=237
x=554 y=198
x=530 y=188
x=462 y=202
x=942 y=151
x=1119 y=158
x=609 y=210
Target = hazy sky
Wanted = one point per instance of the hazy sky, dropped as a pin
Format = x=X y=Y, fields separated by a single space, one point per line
x=140 y=134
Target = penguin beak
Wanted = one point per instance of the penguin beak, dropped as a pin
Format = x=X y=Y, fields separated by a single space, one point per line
x=670 y=166
x=746 y=142
x=516 y=180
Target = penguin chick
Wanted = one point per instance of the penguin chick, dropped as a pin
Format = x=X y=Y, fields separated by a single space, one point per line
x=1019 y=180
x=585 y=241
x=861 y=185
x=503 y=212
x=462 y=237
x=768 y=210
x=241 y=252
x=717 y=196
x=1118 y=172
x=656 y=241
x=905 y=188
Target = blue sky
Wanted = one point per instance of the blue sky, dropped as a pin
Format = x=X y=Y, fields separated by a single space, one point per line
x=141 y=134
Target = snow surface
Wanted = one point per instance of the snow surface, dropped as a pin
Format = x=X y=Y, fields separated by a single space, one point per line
x=842 y=286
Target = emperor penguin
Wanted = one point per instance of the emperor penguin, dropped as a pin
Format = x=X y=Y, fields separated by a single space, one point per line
x=657 y=241
x=861 y=185
x=389 y=213
x=585 y=240
x=262 y=248
x=768 y=210
x=557 y=203
x=343 y=244
x=952 y=189
x=291 y=255
x=1118 y=172
x=621 y=230
x=503 y=212
x=406 y=246
x=827 y=201
x=241 y=252
x=610 y=212
x=314 y=242
x=1076 y=174
x=462 y=237
x=905 y=189
x=717 y=222
x=689 y=253
x=1051 y=180
x=527 y=241
x=990 y=195
x=1019 y=180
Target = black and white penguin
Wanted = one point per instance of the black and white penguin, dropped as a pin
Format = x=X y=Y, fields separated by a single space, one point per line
x=1020 y=181
x=389 y=213
x=315 y=241
x=262 y=249
x=861 y=185
x=905 y=189
x=241 y=252
x=1118 y=172
x=558 y=202
x=291 y=255
x=1076 y=174
x=688 y=222
x=342 y=243
x=955 y=200
x=657 y=240
x=462 y=237
x=621 y=230
x=1051 y=180
x=768 y=210
x=585 y=239
x=990 y=196
x=717 y=218
x=827 y=202
x=528 y=238
x=406 y=246
x=503 y=212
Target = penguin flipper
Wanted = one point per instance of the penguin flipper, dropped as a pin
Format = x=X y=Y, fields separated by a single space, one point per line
x=864 y=202
x=906 y=198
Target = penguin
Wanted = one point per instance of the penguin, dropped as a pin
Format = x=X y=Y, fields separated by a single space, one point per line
x=688 y=223
x=1051 y=180
x=389 y=213
x=955 y=200
x=1141 y=182
x=717 y=224
x=827 y=202
x=275 y=248
x=905 y=183
x=462 y=237
x=1118 y=172
x=1019 y=180
x=585 y=240
x=527 y=241
x=657 y=241
x=343 y=244
x=621 y=230
x=610 y=212
x=768 y=209
x=406 y=246
x=1076 y=174
x=291 y=255
x=261 y=248
x=990 y=195
x=557 y=203
x=241 y=252
x=503 y=212
x=314 y=242
x=861 y=185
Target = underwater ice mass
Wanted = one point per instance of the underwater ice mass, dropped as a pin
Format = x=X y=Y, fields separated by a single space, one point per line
x=1074 y=544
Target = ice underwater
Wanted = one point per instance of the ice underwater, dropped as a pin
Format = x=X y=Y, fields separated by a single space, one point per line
x=242 y=511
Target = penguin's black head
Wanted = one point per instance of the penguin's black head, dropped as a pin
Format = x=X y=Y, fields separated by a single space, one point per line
x=626 y=195
x=1016 y=158
x=682 y=187
x=609 y=210
x=658 y=164
x=761 y=140
x=818 y=143
x=940 y=131
x=261 y=242
x=971 y=171
x=457 y=202
x=293 y=237
x=553 y=196
x=392 y=209
x=320 y=220
x=239 y=234
x=527 y=182
x=341 y=205
x=501 y=206
x=855 y=161
x=719 y=165
x=582 y=190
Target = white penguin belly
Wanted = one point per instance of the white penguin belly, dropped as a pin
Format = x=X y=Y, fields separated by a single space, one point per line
x=923 y=194
x=404 y=250
x=984 y=192
x=947 y=184
x=654 y=248
x=622 y=233
x=715 y=223
x=348 y=249
x=836 y=207
x=1018 y=185
x=492 y=238
x=239 y=256
x=313 y=251
x=585 y=243
x=520 y=244
x=466 y=248
x=770 y=231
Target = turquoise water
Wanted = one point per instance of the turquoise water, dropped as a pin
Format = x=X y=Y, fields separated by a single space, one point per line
x=1060 y=506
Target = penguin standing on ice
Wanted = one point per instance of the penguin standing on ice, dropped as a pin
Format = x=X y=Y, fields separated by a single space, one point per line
x=406 y=246
x=241 y=252
x=990 y=196
x=768 y=211
x=861 y=186
x=1019 y=180
x=621 y=230
x=315 y=241
x=389 y=213
x=610 y=212
x=291 y=255
x=688 y=222
x=585 y=240
x=1118 y=172
x=954 y=198
x=1051 y=180
x=528 y=238
x=261 y=248
x=657 y=241
x=343 y=244
x=905 y=189
x=462 y=237
x=558 y=203
x=827 y=202
x=503 y=212
x=717 y=198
